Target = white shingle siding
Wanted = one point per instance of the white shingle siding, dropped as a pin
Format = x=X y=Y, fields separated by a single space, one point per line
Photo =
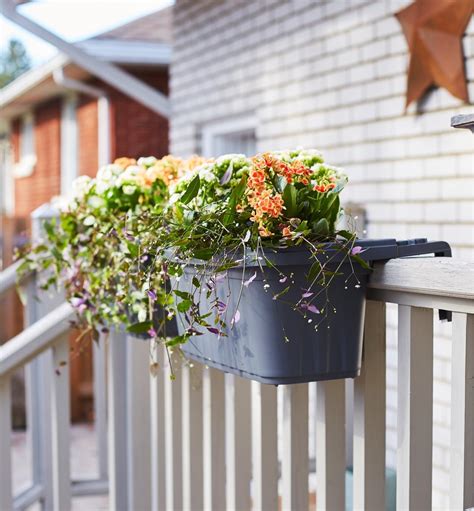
x=332 y=75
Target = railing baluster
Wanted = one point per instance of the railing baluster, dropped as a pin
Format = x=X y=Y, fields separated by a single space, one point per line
x=60 y=428
x=157 y=405
x=295 y=451
x=415 y=407
x=100 y=405
x=193 y=496
x=265 y=447
x=6 y=495
x=117 y=416
x=214 y=439
x=173 y=435
x=238 y=442
x=369 y=415
x=138 y=425
x=462 y=413
x=330 y=445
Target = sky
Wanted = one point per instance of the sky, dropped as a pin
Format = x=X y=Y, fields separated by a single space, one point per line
x=73 y=20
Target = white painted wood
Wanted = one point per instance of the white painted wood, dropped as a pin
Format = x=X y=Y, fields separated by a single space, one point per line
x=369 y=415
x=238 y=442
x=35 y=339
x=100 y=403
x=173 y=434
x=192 y=418
x=294 y=462
x=330 y=445
x=264 y=446
x=6 y=502
x=60 y=427
x=117 y=421
x=214 y=439
x=69 y=138
x=438 y=276
x=462 y=414
x=138 y=424
x=8 y=277
x=157 y=446
x=415 y=407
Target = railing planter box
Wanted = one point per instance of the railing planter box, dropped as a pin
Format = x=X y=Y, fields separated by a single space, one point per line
x=272 y=343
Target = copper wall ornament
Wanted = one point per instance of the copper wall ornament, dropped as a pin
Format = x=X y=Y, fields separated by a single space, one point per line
x=434 y=30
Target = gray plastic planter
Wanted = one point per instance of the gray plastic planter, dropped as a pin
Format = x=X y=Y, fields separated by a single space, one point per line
x=272 y=343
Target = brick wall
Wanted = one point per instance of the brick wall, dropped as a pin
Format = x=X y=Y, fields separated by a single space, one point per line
x=34 y=190
x=87 y=126
x=331 y=75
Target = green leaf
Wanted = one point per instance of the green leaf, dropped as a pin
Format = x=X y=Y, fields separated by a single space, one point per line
x=321 y=227
x=49 y=228
x=140 y=328
x=184 y=306
x=196 y=282
x=191 y=191
x=234 y=200
x=204 y=253
x=182 y=294
x=313 y=271
x=281 y=293
x=175 y=341
x=132 y=248
x=289 y=198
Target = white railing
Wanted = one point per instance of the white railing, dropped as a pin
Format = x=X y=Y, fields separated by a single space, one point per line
x=210 y=441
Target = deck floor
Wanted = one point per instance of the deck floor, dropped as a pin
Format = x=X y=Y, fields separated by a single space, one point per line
x=83 y=465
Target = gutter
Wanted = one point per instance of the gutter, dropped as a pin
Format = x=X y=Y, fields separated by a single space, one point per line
x=113 y=75
x=103 y=111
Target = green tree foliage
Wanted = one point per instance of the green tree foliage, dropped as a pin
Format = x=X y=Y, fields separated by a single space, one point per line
x=14 y=61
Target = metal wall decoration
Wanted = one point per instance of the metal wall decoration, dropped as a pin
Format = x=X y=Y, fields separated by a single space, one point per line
x=434 y=30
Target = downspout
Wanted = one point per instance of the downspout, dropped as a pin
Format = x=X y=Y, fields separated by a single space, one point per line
x=106 y=71
x=103 y=111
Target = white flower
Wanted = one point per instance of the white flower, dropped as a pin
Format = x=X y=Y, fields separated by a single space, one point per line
x=96 y=202
x=80 y=186
x=60 y=203
x=206 y=173
x=229 y=157
x=129 y=189
x=89 y=220
x=147 y=161
x=128 y=176
x=142 y=315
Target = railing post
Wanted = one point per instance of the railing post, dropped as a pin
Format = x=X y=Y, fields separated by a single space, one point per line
x=462 y=413
x=214 y=439
x=330 y=445
x=39 y=376
x=117 y=415
x=138 y=424
x=415 y=407
x=60 y=416
x=238 y=442
x=369 y=415
x=173 y=434
x=6 y=492
x=158 y=442
x=265 y=446
x=193 y=481
x=295 y=463
x=100 y=404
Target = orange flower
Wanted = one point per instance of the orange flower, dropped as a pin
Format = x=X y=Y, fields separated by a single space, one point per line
x=125 y=162
x=286 y=232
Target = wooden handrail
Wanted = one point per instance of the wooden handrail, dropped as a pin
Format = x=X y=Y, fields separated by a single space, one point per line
x=8 y=277
x=35 y=339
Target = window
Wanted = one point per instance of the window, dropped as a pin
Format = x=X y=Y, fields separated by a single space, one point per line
x=232 y=136
x=26 y=164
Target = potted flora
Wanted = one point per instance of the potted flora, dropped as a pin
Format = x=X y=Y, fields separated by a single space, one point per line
x=90 y=249
x=265 y=284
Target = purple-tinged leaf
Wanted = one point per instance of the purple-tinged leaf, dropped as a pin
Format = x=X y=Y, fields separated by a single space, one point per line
x=283 y=280
x=221 y=306
x=250 y=280
x=213 y=330
x=307 y=294
x=152 y=332
x=313 y=309
x=227 y=175
x=151 y=294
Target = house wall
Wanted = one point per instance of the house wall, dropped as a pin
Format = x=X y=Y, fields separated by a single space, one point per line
x=44 y=182
x=331 y=75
